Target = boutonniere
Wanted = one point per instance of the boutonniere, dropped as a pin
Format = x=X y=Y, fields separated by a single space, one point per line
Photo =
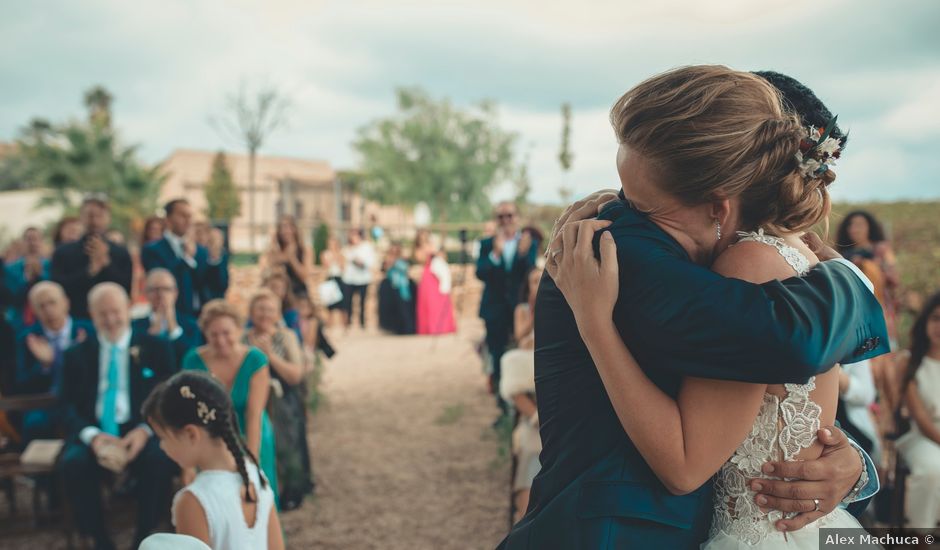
x=135 y=353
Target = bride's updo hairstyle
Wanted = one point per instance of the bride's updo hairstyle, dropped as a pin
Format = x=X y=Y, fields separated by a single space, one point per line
x=712 y=133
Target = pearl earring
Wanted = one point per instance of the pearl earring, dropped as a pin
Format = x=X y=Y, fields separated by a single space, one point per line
x=718 y=229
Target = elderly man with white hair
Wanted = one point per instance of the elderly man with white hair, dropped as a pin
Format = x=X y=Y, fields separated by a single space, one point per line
x=106 y=380
x=41 y=351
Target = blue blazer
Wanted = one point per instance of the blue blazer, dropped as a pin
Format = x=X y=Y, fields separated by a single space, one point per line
x=501 y=285
x=200 y=282
x=679 y=319
x=30 y=377
x=190 y=339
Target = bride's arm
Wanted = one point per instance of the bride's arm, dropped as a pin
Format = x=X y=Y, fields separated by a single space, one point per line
x=685 y=441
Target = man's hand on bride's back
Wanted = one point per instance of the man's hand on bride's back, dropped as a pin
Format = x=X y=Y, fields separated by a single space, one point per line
x=828 y=479
x=585 y=209
x=822 y=250
x=590 y=286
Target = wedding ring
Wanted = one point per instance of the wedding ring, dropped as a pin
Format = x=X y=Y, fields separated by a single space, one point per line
x=816 y=500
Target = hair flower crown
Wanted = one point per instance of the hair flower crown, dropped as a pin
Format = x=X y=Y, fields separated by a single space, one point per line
x=818 y=150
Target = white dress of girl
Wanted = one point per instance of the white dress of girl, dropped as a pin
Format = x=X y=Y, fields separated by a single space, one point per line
x=219 y=492
x=782 y=429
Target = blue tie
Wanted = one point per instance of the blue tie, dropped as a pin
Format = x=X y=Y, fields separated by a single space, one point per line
x=108 y=423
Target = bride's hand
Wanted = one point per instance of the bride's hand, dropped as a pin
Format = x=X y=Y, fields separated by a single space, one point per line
x=587 y=208
x=590 y=286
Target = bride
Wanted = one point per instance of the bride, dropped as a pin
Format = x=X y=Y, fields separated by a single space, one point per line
x=732 y=428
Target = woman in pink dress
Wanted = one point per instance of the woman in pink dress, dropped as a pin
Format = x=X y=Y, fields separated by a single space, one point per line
x=434 y=310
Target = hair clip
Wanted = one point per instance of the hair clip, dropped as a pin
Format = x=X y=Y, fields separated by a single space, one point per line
x=204 y=412
x=186 y=392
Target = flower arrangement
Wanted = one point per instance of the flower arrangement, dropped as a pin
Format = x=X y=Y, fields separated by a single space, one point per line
x=818 y=150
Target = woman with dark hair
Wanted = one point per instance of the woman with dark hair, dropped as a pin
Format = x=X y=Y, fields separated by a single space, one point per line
x=153 y=230
x=396 y=294
x=861 y=239
x=920 y=447
x=68 y=230
x=288 y=253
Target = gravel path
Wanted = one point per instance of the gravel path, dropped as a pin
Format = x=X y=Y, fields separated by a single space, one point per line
x=404 y=455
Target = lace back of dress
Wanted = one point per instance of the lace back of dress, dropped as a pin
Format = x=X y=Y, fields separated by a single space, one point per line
x=784 y=426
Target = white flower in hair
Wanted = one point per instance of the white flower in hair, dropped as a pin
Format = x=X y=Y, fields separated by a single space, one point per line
x=829 y=147
x=186 y=392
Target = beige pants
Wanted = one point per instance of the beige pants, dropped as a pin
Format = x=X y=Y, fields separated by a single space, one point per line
x=922 y=456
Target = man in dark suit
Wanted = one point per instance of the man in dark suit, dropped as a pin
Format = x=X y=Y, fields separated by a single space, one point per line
x=41 y=351
x=80 y=265
x=679 y=319
x=197 y=274
x=181 y=330
x=505 y=260
x=106 y=381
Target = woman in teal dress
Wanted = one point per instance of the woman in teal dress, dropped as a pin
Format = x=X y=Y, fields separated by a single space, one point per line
x=244 y=371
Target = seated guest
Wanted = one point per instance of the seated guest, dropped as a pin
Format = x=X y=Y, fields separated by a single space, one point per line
x=517 y=386
x=856 y=395
x=23 y=273
x=920 y=447
x=286 y=404
x=195 y=272
x=163 y=321
x=80 y=265
x=396 y=294
x=242 y=369
x=105 y=382
x=278 y=283
x=41 y=351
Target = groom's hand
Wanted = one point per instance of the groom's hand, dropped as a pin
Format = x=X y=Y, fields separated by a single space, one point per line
x=826 y=480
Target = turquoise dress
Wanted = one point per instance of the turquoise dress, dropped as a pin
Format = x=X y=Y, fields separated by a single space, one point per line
x=254 y=361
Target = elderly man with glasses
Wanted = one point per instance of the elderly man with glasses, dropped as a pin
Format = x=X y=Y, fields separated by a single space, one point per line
x=505 y=260
x=164 y=321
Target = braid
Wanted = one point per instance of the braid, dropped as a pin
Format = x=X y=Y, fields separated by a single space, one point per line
x=230 y=437
x=254 y=459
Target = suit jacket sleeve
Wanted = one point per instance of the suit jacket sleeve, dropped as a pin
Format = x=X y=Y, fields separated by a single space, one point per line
x=485 y=265
x=698 y=323
x=73 y=369
x=216 y=278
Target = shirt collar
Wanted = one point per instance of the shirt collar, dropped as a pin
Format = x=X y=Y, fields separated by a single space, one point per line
x=122 y=343
x=174 y=239
x=64 y=331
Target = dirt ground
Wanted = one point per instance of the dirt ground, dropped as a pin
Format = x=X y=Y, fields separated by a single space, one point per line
x=404 y=455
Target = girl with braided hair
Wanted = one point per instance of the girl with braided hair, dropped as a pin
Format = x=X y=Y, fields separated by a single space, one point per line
x=230 y=504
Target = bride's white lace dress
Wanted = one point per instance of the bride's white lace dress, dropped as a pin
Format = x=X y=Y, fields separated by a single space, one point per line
x=784 y=426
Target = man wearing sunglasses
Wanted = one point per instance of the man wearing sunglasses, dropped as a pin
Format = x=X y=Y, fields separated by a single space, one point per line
x=505 y=260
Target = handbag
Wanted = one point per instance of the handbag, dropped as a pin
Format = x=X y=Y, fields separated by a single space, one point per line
x=330 y=293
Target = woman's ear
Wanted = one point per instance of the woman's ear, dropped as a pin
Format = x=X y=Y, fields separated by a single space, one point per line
x=722 y=211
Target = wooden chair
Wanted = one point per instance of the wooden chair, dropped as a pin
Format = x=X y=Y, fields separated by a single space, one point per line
x=11 y=470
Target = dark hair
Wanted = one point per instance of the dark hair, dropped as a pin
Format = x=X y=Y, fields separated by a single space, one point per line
x=148 y=223
x=190 y=397
x=876 y=233
x=98 y=199
x=170 y=206
x=57 y=233
x=524 y=290
x=920 y=341
x=802 y=101
x=297 y=240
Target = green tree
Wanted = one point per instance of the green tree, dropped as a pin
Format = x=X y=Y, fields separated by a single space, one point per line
x=522 y=185
x=435 y=152
x=565 y=156
x=78 y=157
x=320 y=237
x=221 y=194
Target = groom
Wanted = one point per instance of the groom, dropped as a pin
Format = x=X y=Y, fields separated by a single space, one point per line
x=594 y=489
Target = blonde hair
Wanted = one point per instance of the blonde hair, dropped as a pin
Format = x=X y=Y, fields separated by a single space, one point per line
x=711 y=133
x=216 y=309
x=263 y=294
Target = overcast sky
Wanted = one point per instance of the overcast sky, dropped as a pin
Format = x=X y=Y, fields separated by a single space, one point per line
x=171 y=63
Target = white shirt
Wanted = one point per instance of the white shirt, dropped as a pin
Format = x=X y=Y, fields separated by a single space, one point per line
x=509 y=252
x=172 y=336
x=63 y=335
x=176 y=243
x=354 y=275
x=122 y=405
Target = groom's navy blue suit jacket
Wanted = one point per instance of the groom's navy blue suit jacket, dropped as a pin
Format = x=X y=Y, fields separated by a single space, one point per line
x=678 y=319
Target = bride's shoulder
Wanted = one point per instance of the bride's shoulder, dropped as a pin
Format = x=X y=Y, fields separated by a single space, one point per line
x=752 y=261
